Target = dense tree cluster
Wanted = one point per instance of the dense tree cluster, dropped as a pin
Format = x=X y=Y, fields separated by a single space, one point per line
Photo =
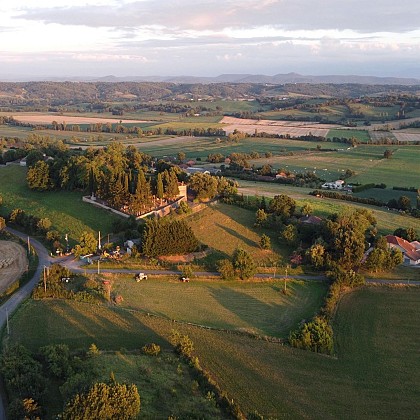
x=26 y=375
x=168 y=237
x=32 y=224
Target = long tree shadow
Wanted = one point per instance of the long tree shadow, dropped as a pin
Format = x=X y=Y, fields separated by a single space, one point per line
x=108 y=328
x=237 y=235
x=253 y=315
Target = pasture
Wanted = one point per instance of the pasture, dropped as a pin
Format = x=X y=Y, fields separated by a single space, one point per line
x=258 y=308
x=375 y=373
x=66 y=210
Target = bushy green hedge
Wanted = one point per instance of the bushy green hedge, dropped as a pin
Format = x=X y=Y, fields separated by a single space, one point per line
x=168 y=237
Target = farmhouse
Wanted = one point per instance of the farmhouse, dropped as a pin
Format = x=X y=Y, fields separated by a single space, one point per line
x=310 y=220
x=409 y=250
x=336 y=185
x=194 y=170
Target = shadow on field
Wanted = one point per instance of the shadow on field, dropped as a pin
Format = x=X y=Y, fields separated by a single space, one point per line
x=242 y=238
x=258 y=317
x=108 y=328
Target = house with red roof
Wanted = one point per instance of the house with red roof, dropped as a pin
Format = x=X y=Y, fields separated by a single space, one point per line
x=410 y=251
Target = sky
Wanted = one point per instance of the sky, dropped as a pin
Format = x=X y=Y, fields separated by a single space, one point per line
x=95 y=38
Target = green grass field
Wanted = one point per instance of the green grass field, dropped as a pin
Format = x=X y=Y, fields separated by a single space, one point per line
x=201 y=147
x=387 y=194
x=259 y=308
x=401 y=170
x=375 y=374
x=236 y=226
x=368 y=162
x=66 y=210
x=362 y=136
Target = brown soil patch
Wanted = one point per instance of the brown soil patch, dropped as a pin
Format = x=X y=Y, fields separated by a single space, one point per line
x=13 y=263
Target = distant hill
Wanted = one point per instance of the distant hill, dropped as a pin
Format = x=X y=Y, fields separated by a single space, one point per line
x=278 y=79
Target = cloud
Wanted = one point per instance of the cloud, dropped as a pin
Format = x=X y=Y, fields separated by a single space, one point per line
x=211 y=36
x=215 y=15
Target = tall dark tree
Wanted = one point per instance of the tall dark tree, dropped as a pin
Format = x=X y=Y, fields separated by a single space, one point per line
x=38 y=177
x=283 y=206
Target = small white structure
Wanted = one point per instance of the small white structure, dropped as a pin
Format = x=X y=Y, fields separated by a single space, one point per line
x=336 y=185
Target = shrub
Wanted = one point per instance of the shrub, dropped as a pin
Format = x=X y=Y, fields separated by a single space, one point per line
x=316 y=335
x=226 y=269
x=182 y=343
x=151 y=349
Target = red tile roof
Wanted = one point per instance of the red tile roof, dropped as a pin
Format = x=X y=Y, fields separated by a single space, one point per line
x=408 y=249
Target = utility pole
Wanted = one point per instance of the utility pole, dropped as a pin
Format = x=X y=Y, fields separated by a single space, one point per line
x=45 y=280
x=285 y=279
x=7 y=321
x=98 y=266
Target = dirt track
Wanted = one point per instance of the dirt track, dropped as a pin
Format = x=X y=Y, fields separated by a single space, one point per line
x=13 y=263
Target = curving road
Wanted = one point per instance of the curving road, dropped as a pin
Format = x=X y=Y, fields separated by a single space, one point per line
x=8 y=307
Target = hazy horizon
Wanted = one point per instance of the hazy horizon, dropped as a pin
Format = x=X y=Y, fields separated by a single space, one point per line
x=128 y=38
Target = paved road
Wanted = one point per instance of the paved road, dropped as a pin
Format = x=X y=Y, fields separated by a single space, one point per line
x=22 y=293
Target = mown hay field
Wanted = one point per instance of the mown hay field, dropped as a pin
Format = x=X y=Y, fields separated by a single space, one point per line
x=294 y=129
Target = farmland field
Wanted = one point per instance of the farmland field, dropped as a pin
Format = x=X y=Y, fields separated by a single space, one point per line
x=368 y=162
x=201 y=147
x=362 y=136
x=376 y=346
x=69 y=120
x=387 y=194
x=293 y=129
x=407 y=137
x=256 y=307
x=65 y=209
